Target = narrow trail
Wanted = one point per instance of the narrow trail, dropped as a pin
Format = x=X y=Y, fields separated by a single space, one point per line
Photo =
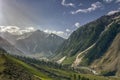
x=87 y=68
x=61 y=60
x=78 y=60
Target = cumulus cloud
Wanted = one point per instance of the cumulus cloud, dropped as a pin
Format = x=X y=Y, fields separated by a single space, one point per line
x=93 y=7
x=54 y=32
x=10 y=29
x=16 y=30
x=113 y=12
x=59 y=33
x=27 y=29
x=77 y=24
x=108 y=1
x=67 y=4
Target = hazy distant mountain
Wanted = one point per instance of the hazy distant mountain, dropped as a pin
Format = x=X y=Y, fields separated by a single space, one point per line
x=36 y=43
x=9 y=37
x=39 y=44
x=14 y=33
x=95 y=44
x=4 y=44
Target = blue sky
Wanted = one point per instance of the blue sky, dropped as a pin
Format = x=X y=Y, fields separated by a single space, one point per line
x=57 y=16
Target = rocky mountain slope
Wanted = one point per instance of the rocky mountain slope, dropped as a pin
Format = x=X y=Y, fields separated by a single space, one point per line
x=110 y=62
x=9 y=47
x=34 y=44
x=108 y=55
x=92 y=45
x=40 y=44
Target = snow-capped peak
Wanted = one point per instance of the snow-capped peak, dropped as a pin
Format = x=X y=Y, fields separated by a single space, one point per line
x=16 y=30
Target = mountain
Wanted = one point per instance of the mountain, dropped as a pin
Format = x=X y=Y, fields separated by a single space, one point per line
x=109 y=63
x=92 y=48
x=89 y=44
x=4 y=44
x=39 y=44
x=12 y=38
x=104 y=56
x=34 y=44
x=9 y=37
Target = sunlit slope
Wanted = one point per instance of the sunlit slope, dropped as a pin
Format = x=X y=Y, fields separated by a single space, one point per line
x=83 y=37
x=59 y=72
x=14 y=69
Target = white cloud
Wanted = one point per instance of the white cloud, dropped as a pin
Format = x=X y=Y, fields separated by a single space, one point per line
x=54 y=32
x=16 y=30
x=27 y=29
x=93 y=7
x=10 y=29
x=112 y=12
x=59 y=33
x=77 y=24
x=68 y=30
x=108 y=1
x=67 y=4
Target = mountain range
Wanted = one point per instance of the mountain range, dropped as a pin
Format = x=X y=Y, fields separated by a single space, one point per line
x=95 y=45
x=11 y=49
x=40 y=44
x=93 y=48
x=33 y=44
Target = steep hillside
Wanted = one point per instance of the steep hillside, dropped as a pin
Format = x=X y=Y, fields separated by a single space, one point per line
x=110 y=62
x=95 y=45
x=35 y=44
x=12 y=38
x=105 y=55
x=9 y=70
x=83 y=38
x=14 y=69
x=9 y=47
x=104 y=41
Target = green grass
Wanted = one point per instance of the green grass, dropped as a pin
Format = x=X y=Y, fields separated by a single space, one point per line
x=2 y=60
x=46 y=76
x=69 y=60
x=30 y=69
x=68 y=73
